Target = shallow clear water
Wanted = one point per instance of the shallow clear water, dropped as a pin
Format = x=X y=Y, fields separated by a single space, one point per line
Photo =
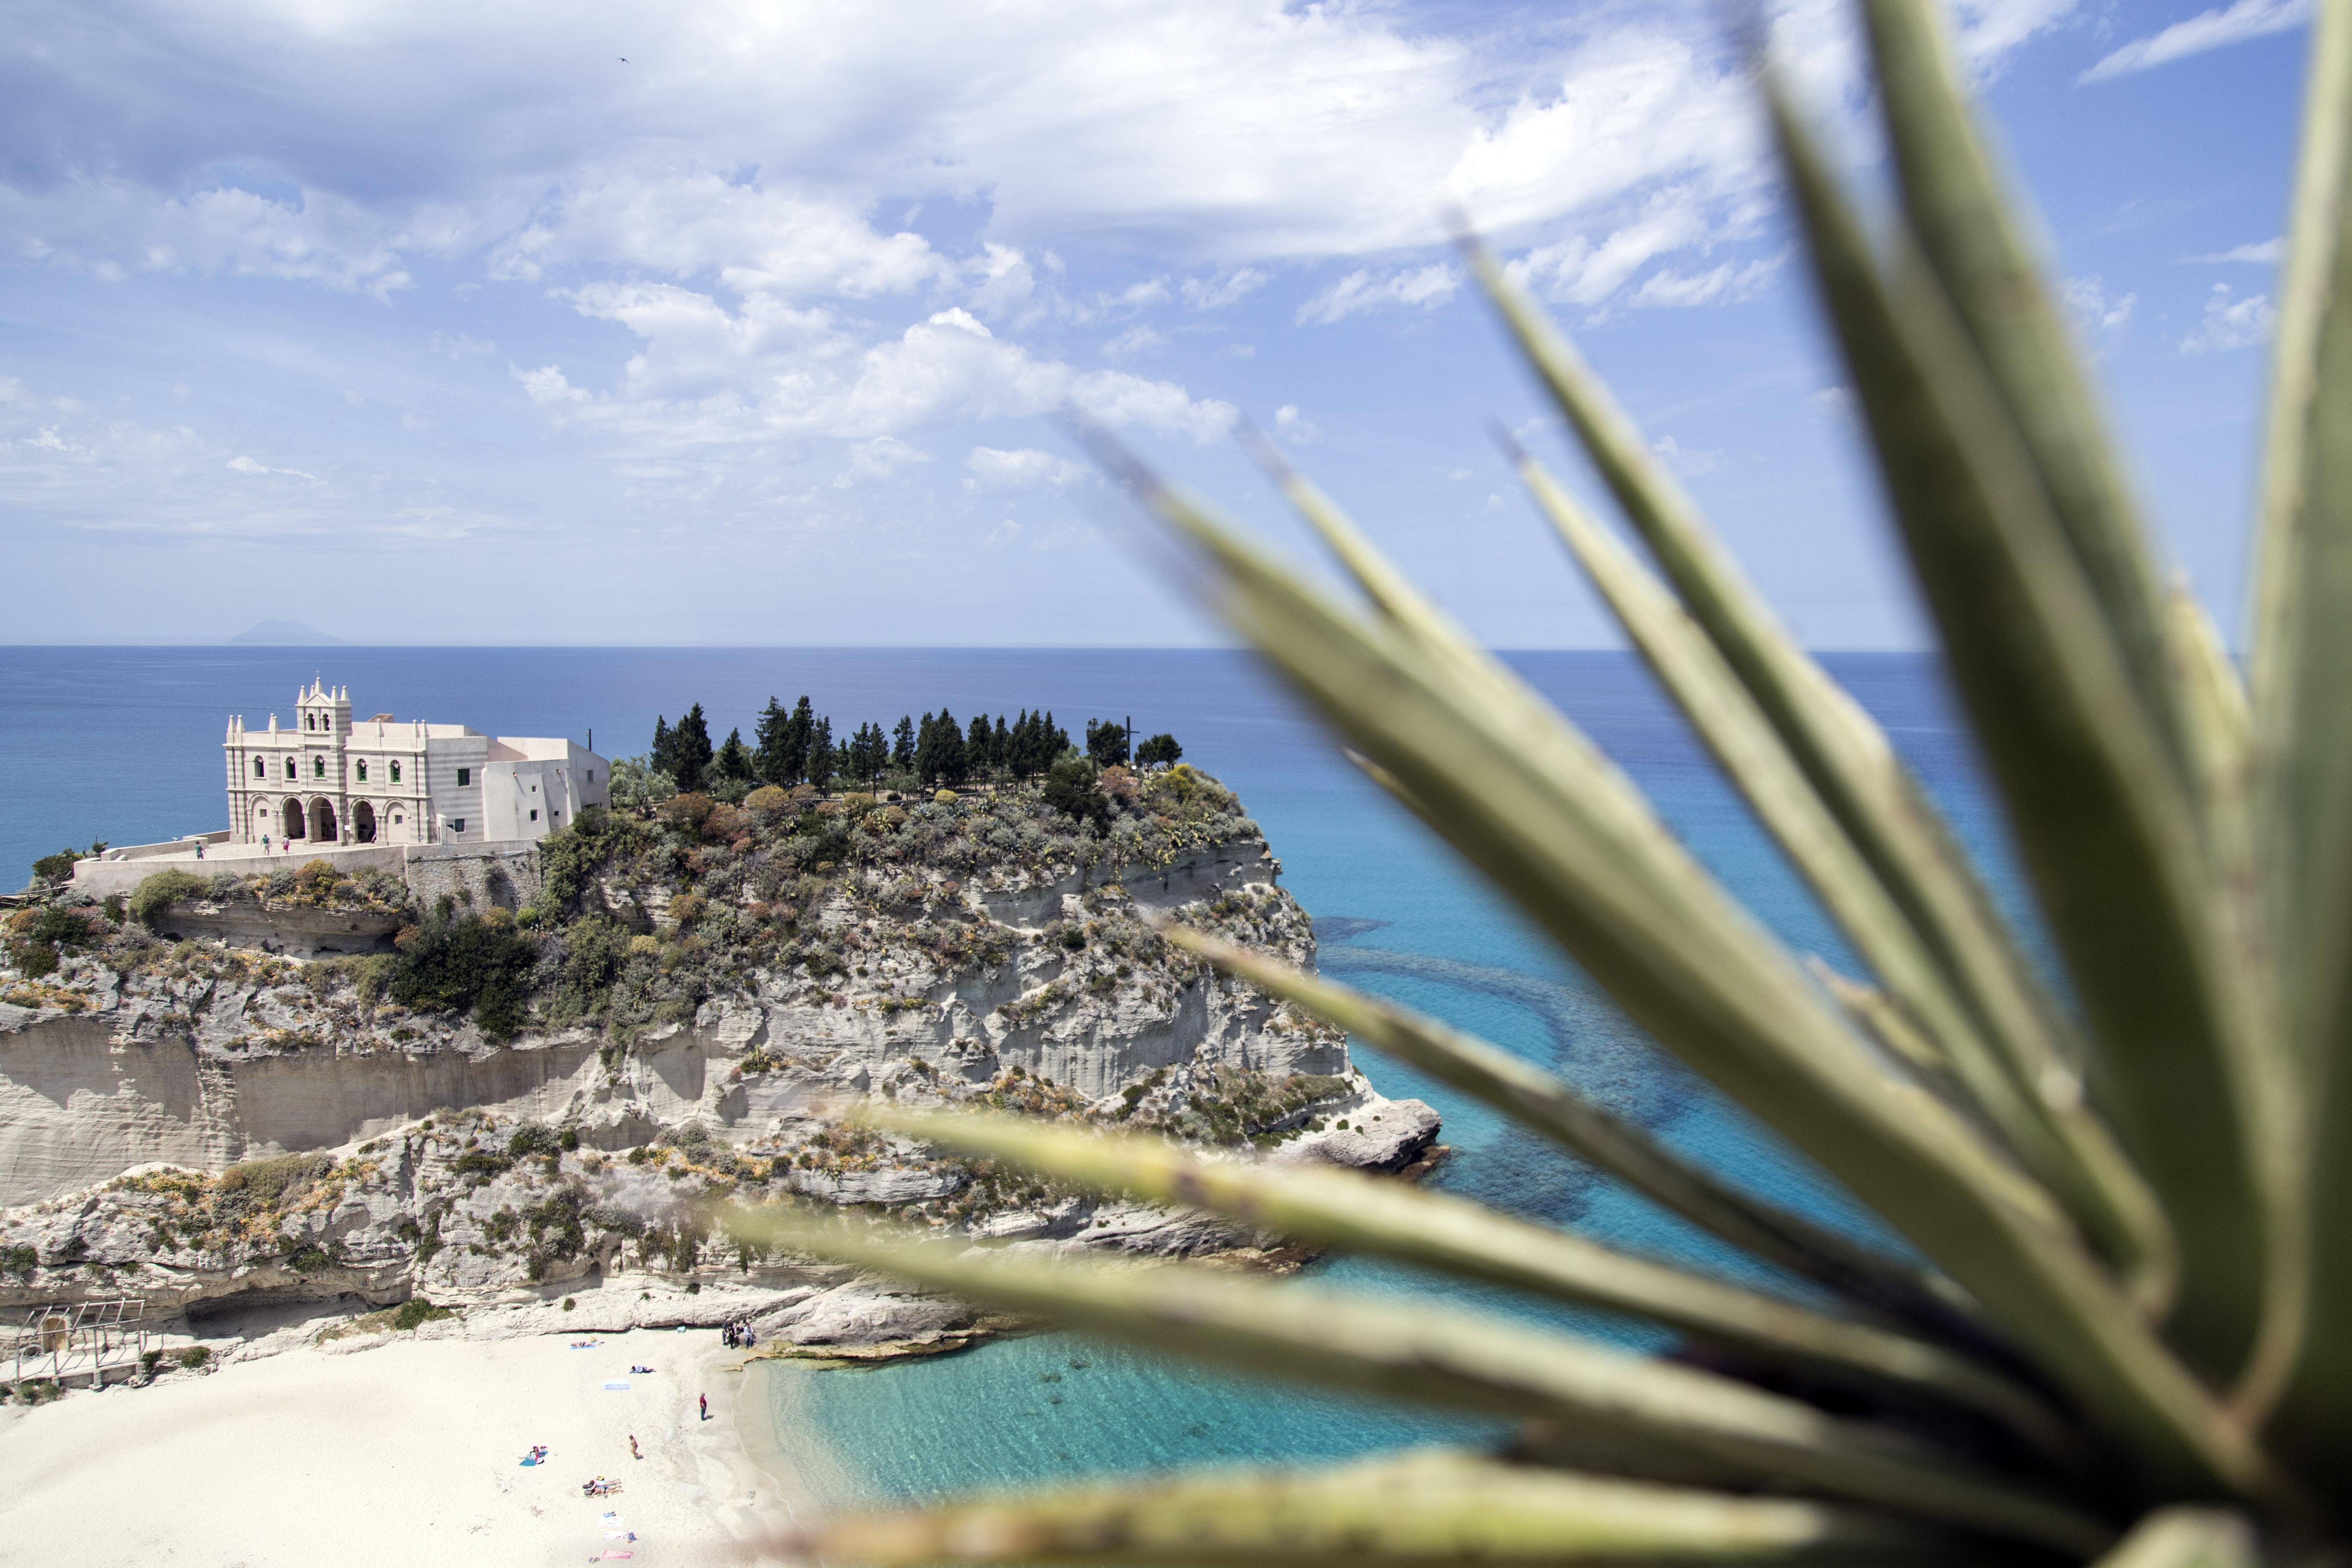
x=123 y=744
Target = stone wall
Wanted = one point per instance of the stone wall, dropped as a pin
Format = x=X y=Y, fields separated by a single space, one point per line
x=478 y=875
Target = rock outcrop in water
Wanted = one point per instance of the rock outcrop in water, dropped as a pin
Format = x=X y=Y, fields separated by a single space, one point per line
x=518 y=1104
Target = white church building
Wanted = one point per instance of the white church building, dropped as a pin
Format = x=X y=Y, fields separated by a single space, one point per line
x=329 y=781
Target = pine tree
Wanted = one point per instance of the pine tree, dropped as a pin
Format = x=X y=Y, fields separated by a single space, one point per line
x=975 y=745
x=664 y=755
x=1000 y=745
x=821 y=759
x=690 y=749
x=734 y=764
x=902 y=748
x=770 y=729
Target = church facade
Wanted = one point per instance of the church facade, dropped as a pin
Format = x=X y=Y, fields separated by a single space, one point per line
x=329 y=781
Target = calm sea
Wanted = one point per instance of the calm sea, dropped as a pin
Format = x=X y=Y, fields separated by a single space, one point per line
x=123 y=744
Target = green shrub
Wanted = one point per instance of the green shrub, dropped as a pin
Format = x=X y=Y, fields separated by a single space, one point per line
x=536 y=1138
x=58 y=867
x=194 y=1356
x=32 y=959
x=160 y=891
x=415 y=1313
x=453 y=965
x=273 y=1180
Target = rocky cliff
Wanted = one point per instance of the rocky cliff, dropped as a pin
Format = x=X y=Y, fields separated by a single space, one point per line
x=516 y=1104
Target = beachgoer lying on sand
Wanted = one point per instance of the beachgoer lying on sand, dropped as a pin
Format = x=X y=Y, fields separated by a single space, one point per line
x=633 y=1448
x=641 y=1371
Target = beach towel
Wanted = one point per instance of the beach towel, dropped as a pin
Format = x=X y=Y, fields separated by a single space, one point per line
x=527 y=1464
x=618 y=1385
x=612 y=1552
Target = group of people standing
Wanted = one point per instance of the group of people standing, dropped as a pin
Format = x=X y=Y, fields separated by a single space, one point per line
x=737 y=1336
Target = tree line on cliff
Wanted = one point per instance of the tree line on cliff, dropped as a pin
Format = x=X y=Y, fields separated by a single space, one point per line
x=797 y=746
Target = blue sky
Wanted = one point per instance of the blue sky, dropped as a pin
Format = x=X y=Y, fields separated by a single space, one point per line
x=731 y=322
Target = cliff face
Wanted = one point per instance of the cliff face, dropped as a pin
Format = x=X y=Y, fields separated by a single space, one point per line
x=212 y=1126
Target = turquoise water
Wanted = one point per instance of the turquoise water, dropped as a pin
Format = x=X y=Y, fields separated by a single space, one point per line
x=123 y=744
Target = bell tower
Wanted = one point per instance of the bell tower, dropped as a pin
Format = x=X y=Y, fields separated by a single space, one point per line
x=324 y=712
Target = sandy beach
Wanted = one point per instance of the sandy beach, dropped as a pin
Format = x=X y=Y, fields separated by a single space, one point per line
x=405 y=1453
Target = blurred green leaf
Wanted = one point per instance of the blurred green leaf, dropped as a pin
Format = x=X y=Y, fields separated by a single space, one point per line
x=1967 y=234
x=1387 y=1218
x=1528 y=801
x=1541 y=1100
x=1662 y=1421
x=2072 y=1154
x=2302 y=744
x=1430 y=1507
x=2186 y=1538
x=2108 y=833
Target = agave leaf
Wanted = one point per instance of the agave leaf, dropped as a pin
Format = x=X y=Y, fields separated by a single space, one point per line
x=1559 y=829
x=2108 y=833
x=2303 y=745
x=1546 y=1103
x=1967 y=233
x=2186 y=1538
x=1842 y=751
x=2072 y=1153
x=1877 y=1015
x=1432 y=1508
x=1674 y=1422
x=1386 y=1218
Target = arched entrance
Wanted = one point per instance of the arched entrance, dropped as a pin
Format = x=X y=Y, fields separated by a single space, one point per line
x=363 y=823
x=322 y=820
x=293 y=819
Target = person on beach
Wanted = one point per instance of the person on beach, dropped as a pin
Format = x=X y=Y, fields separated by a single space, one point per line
x=633 y=1448
x=706 y=1405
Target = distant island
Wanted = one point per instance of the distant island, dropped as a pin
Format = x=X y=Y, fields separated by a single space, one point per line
x=282 y=634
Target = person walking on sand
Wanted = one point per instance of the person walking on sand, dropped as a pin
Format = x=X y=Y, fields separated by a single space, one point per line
x=634 y=1454
x=706 y=1405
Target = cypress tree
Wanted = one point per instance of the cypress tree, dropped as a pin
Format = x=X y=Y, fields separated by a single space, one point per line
x=975 y=744
x=770 y=733
x=902 y=749
x=821 y=755
x=664 y=755
x=690 y=749
x=1000 y=745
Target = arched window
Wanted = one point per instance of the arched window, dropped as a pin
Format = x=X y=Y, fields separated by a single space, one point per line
x=290 y=769
x=396 y=773
x=318 y=767
x=260 y=769
x=363 y=770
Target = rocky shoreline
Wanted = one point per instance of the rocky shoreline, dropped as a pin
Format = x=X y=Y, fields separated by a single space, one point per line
x=238 y=1136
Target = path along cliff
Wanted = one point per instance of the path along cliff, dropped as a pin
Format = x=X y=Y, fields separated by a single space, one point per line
x=560 y=1083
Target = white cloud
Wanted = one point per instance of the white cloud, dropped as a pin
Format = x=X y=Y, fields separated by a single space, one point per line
x=1726 y=284
x=692 y=224
x=2266 y=253
x=245 y=465
x=1138 y=339
x=877 y=458
x=708 y=376
x=2087 y=299
x=2230 y=322
x=2212 y=29
x=1684 y=460
x=1204 y=294
x=1424 y=286
x=1025 y=467
x=1292 y=425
